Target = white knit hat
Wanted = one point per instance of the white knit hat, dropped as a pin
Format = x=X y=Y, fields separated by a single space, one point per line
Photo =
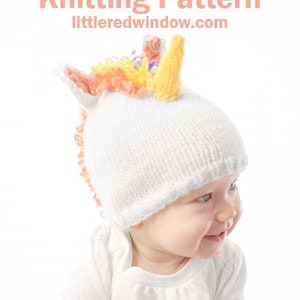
x=144 y=153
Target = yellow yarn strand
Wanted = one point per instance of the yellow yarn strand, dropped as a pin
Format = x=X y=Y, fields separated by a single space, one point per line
x=166 y=83
x=139 y=76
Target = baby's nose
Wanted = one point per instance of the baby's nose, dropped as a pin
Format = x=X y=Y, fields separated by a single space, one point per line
x=226 y=211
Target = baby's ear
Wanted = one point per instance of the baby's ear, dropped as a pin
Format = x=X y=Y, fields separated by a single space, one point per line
x=81 y=84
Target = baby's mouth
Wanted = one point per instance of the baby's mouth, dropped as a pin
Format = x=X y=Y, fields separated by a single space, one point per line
x=216 y=237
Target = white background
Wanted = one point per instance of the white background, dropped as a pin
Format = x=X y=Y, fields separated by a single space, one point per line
x=251 y=70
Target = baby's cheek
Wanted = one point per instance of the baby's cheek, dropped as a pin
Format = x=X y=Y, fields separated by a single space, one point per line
x=199 y=227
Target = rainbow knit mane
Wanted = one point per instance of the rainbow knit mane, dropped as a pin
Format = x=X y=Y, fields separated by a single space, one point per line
x=137 y=75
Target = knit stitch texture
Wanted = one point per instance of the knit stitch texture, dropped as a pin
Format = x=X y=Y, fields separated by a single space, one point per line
x=143 y=155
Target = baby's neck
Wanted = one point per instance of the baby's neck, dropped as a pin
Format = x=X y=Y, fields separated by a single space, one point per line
x=156 y=262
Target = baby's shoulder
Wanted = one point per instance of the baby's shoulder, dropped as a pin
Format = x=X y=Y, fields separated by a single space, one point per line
x=98 y=263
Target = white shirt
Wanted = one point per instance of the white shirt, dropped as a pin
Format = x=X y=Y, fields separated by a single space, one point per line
x=107 y=274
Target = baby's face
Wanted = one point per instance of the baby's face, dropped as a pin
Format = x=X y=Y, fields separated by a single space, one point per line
x=198 y=223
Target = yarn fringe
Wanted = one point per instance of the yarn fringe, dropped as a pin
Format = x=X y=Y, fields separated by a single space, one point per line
x=80 y=142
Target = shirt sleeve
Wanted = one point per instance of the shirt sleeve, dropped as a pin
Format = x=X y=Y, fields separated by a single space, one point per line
x=87 y=281
x=232 y=277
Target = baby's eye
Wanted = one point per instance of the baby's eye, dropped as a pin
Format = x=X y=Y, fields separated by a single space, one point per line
x=232 y=186
x=204 y=198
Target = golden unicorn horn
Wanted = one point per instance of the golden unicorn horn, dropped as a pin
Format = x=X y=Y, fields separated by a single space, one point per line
x=166 y=83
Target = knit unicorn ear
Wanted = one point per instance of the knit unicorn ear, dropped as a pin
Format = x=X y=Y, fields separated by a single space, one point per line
x=81 y=84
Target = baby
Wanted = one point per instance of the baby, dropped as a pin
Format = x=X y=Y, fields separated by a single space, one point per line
x=162 y=163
